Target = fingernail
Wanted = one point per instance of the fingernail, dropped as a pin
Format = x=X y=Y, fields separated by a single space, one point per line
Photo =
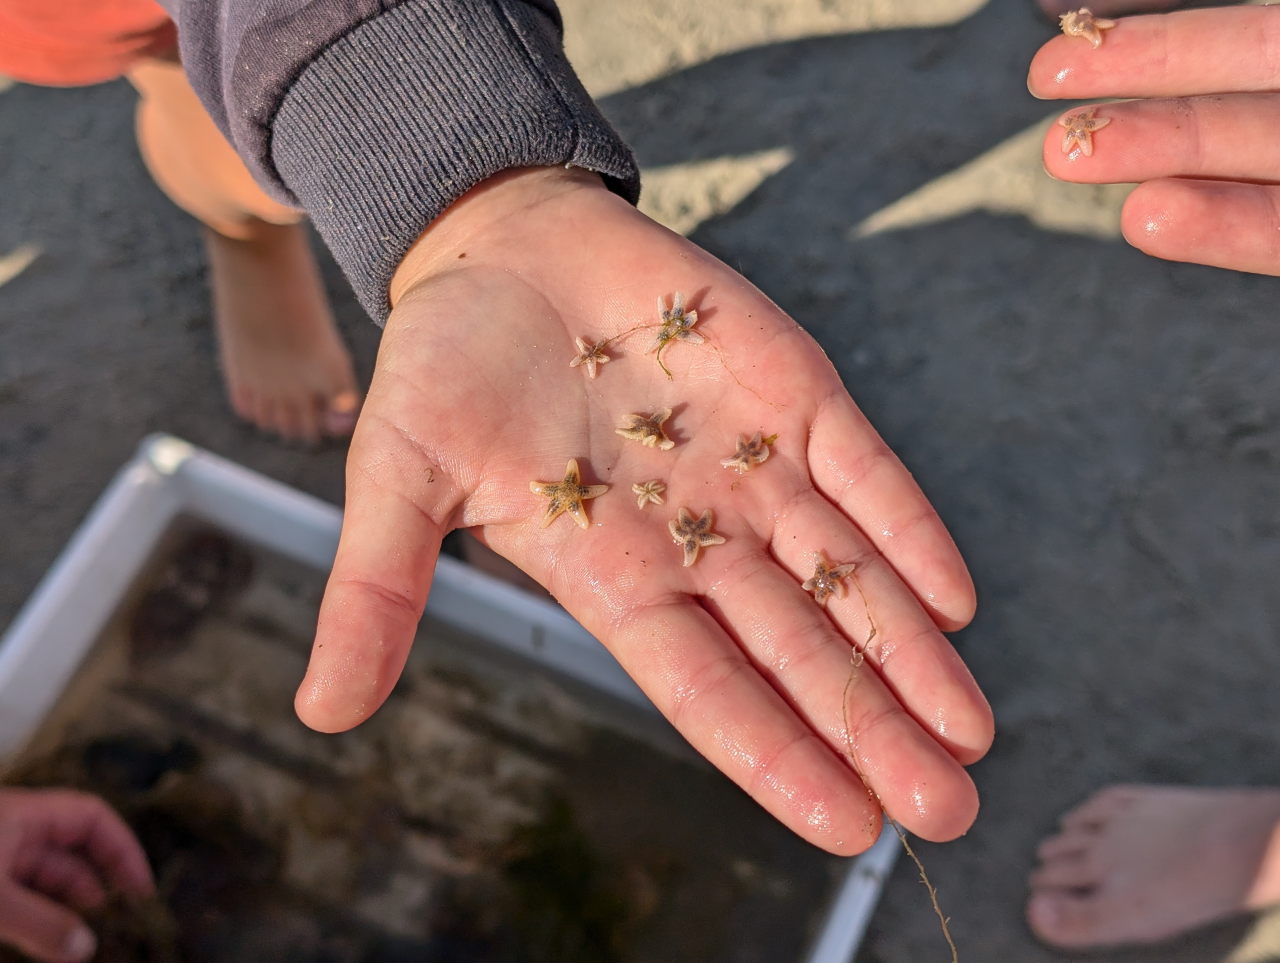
x=81 y=944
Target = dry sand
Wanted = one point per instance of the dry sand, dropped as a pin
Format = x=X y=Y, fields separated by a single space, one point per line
x=1097 y=427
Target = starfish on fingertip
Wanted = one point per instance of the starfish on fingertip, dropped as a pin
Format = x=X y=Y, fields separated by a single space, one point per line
x=1081 y=125
x=828 y=578
x=693 y=534
x=567 y=495
x=590 y=356
x=647 y=429
x=750 y=452
x=1082 y=23
x=650 y=491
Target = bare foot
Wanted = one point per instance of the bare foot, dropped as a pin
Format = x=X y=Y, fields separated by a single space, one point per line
x=1140 y=864
x=1106 y=8
x=285 y=365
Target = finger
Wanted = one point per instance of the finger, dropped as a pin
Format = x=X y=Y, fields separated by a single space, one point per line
x=701 y=681
x=1188 y=52
x=377 y=589
x=1225 y=225
x=73 y=820
x=917 y=663
x=857 y=471
x=41 y=928
x=798 y=651
x=1230 y=138
x=67 y=879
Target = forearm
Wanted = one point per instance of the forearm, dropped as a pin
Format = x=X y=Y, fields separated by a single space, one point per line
x=375 y=118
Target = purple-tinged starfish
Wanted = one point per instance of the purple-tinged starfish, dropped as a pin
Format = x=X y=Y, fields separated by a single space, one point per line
x=590 y=356
x=693 y=534
x=827 y=579
x=751 y=452
x=1081 y=125
x=677 y=325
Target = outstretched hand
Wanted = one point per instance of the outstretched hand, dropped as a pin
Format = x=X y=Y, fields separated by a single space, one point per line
x=474 y=397
x=1200 y=140
x=60 y=852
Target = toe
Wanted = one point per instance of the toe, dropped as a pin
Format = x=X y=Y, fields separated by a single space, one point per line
x=242 y=402
x=339 y=418
x=290 y=419
x=309 y=418
x=1072 y=871
x=1064 y=844
x=270 y=417
x=1099 y=808
x=1063 y=919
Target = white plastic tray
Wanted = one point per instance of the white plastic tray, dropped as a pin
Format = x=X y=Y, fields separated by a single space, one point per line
x=169 y=478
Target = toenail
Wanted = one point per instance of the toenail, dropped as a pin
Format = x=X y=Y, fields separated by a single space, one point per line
x=345 y=403
x=339 y=422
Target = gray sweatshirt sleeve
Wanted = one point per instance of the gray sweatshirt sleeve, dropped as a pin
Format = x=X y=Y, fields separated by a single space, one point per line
x=375 y=115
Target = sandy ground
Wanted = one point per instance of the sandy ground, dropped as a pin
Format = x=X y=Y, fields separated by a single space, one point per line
x=1098 y=428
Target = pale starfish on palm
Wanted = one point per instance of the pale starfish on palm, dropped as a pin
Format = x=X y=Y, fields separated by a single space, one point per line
x=590 y=356
x=567 y=495
x=647 y=429
x=650 y=492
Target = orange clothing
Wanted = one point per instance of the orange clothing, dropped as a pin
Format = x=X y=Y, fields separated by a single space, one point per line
x=68 y=43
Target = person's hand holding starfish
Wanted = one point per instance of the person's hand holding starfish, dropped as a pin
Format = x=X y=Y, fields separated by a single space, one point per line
x=474 y=397
x=1200 y=141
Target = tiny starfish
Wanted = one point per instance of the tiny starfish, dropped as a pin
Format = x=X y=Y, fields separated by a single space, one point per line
x=677 y=325
x=650 y=491
x=1082 y=23
x=1081 y=126
x=828 y=579
x=751 y=452
x=567 y=495
x=590 y=356
x=647 y=429
x=692 y=534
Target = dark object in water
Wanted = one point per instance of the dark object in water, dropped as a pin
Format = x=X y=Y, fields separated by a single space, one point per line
x=203 y=571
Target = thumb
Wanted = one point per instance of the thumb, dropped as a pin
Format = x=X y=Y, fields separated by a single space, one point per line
x=43 y=929
x=372 y=603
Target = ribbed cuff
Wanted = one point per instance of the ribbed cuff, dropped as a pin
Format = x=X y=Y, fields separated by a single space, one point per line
x=410 y=110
